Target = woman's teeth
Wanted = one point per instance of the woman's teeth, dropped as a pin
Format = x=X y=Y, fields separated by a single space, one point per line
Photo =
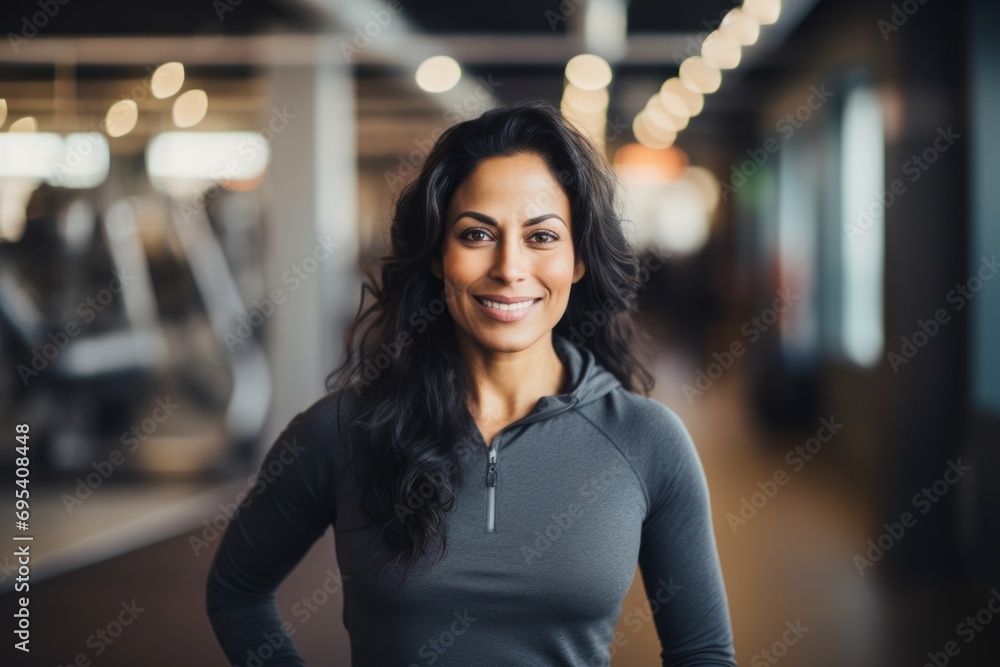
x=507 y=306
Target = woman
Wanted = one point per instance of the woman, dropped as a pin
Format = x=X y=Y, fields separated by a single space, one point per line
x=491 y=424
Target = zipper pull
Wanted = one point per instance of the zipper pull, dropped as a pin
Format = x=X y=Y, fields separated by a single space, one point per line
x=491 y=471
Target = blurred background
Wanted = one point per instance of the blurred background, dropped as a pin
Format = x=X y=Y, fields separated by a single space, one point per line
x=187 y=188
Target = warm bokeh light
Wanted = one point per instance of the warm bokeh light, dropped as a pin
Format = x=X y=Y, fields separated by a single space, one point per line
x=765 y=12
x=3 y=111
x=680 y=219
x=679 y=99
x=721 y=50
x=190 y=108
x=46 y=155
x=167 y=79
x=207 y=155
x=438 y=74
x=645 y=136
x=663 y=117
x=658 y=132
x=741 y=26
x=588 y=72
x=673 y=102
x=638 y=164
x=700 y=77
x=121 y=118
x=586 y=101
x=26 y=124
x=29 y=155
x=706 y=184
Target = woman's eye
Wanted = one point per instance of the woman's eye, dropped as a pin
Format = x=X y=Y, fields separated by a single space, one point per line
x=468 y=235
x=551 y=237
x=478 y=235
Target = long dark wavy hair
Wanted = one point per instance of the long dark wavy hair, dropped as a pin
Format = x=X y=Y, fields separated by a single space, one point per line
x=401 y=350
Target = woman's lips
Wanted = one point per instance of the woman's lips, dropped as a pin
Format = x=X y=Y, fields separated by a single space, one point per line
x=512 y=315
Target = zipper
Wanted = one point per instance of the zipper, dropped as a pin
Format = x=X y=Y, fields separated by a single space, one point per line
x=491 y=462
x=491 y=488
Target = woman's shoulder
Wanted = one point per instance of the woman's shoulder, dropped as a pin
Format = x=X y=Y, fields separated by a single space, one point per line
x=650 y=434
x=641 y=420
x=321 y=427
x=331 y=408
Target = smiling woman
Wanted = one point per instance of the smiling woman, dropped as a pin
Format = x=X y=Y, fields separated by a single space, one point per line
x=500 y=266
x=513 y=220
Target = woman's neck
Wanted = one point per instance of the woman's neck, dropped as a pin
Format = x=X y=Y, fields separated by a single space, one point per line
x=505 y=386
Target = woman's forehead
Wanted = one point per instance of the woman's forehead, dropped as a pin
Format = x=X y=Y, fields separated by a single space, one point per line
x=512 y=182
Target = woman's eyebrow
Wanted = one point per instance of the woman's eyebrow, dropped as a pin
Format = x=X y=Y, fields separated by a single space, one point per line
x=487 y=220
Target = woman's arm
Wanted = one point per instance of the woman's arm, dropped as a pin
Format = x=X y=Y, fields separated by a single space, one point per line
x=286 y=508
x=680 y=563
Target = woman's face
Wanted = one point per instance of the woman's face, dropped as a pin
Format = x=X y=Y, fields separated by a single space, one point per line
x=507 y=236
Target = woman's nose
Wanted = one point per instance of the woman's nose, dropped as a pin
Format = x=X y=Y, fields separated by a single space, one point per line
x=510 y=261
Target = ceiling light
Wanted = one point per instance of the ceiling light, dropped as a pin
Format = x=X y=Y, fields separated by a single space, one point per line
x=721 y=50
x=167 y=79
x=765 y=12
x=741 y=26
x=190 y=108
x=121 y=118
x=646 y=137
x=588 y=71
x=693 y=102
x=657 y=113
x=26 y=124
x=438 y=74
x=700 y=77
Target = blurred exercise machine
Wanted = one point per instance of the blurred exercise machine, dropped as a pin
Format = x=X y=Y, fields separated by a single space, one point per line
x=109 y=349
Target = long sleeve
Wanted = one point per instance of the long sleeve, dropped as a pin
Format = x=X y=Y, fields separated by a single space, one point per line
x=287 y=506
x=679 y=559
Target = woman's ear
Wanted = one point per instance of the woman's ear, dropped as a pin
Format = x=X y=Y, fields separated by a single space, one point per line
x=579 y=269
